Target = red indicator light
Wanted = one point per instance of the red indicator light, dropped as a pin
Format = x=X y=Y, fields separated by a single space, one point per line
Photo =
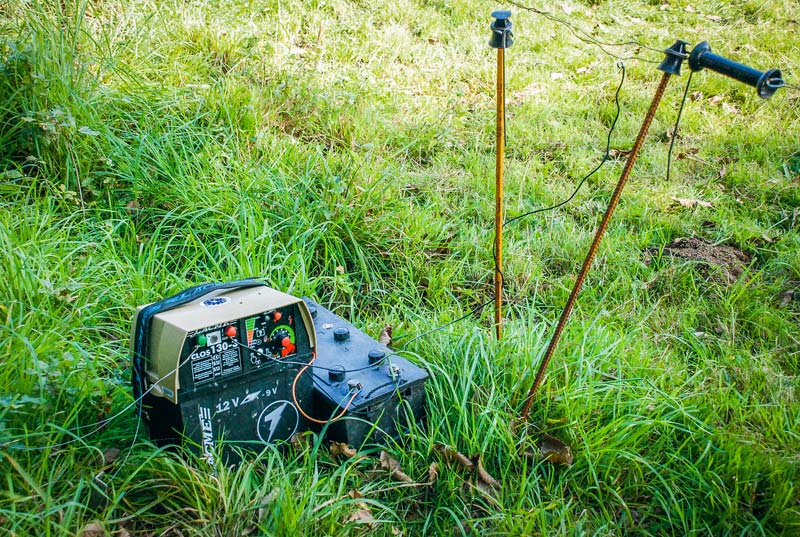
x=276 y=316
x=230 y=331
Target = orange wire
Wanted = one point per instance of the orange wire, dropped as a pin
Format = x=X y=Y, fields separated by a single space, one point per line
x=297 y=403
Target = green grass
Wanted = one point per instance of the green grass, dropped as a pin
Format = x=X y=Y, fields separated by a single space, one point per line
x=345 y=150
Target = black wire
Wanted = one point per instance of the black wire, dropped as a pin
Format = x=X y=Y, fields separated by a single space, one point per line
x=473 y=311
x=605 y=158
x=584 y=36
x=677 y=123
x=310 y=364
x=98 y=426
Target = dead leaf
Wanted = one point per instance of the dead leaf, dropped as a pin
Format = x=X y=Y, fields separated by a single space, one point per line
x=362 y=516
x=341 y=449
x=453 y=455
x=691 y=203
x=123 y=532
x=301 y=441
x=555 y=451
x=484 y=481
x=787 y=296
x=716 y=99
x=696 y=95
x=132 y=206
x=265 y=501
x=93 y=529
x=433 y=473
x=619 y=153
x=340 y=269
x=391 y=465
x=385 y=337
x=730 y=109
x=110 y=456
x=715 y=18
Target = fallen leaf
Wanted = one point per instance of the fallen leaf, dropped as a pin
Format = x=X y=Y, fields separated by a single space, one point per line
x=265 y=501
x=555 y=451
x=88 y=132
x=715 y=99
x=730 y=109
x=768 y=240
x=93 y=529
x=301 y=441
x=485 y=481
x=385 y=337
x=123 y=532
x=391 y=465
x=340 y=269
x=619 y=153
x=691 y=203
x=362 y=516
x=110 y=456
x=787 y=296
x=433 y=473
x=685 y=154
x=453 y=455
x=715 y=18
x=341 y=449
x=696 y=95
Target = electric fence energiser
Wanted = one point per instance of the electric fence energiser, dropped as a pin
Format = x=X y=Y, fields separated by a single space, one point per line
x=225 y=367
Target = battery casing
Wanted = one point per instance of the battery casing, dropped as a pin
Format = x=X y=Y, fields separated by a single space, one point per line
x=391 y=389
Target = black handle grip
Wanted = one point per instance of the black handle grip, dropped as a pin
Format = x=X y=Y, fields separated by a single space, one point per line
x=765 y=82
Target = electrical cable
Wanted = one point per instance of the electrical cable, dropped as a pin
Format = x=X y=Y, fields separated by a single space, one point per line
x=294 y=362
x=300 y=408
x=97 y=426
x=473 y=311
x=677 y=124
x=584 y=36
x=605 y=158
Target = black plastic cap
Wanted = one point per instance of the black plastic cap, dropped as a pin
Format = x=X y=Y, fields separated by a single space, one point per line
x=502 y=37
x=375 y=356
x=673 y=58
x=341 y=334
x=336 y=375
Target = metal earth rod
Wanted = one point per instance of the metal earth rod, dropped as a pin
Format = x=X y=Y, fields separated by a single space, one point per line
x=595 y=243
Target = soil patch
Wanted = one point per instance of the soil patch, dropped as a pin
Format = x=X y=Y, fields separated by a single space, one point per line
x=725 y=262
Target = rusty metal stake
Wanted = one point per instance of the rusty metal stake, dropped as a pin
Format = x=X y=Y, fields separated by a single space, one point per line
x=596 y=242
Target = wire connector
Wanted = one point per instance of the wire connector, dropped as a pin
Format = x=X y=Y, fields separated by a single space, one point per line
x=674 y=58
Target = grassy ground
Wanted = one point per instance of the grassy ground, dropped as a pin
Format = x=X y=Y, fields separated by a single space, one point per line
x=344 y=150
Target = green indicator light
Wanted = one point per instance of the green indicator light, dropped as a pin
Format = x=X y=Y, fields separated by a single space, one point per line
x=202 y=340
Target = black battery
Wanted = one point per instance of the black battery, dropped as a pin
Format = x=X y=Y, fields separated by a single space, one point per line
x=385 y=391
